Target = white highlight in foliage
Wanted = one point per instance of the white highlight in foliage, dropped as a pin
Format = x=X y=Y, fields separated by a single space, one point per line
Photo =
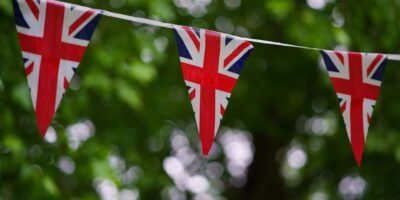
x=117 y=163
x=233 y=4
x=239 y=150
x=317 y=4
x=214 y=170
x=173 y=166
x=196 y=8
x=197 y=184
x=66 y=165
x=203 y=196
x=106 y=189
x=173 y=193
x=296 y=157
x=319 y=196
x=317 y=125
x=338 y=18
x=79 y=132
x=51 y=135
x=128 y=195
x=351 y=187
x=178 y=140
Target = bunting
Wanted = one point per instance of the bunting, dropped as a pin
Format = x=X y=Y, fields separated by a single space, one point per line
x=53 y=38
x=211 y=64
x=357 y=79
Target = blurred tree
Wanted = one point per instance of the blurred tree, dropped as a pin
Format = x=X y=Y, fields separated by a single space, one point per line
x=125 y=129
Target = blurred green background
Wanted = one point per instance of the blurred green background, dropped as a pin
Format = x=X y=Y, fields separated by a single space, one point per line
x=125 y=128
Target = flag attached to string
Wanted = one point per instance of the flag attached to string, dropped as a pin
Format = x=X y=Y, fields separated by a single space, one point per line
x=53 y=38
x=211 y=64
x=357 y=79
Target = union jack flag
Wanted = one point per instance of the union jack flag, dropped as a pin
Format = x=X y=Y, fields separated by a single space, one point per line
x=211 y=64
x=53 y=38
x=357 y=79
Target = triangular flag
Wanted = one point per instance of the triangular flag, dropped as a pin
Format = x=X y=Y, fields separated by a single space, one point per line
x=53 y=38
x=357 y=79
x=211 y=64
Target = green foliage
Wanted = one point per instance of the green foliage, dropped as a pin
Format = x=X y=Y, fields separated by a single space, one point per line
x=121 y=122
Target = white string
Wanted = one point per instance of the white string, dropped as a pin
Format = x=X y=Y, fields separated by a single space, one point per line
x=171 y=26
x=138 y=19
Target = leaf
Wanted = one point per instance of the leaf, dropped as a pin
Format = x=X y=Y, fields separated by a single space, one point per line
x=128 y=94
x=143 y=73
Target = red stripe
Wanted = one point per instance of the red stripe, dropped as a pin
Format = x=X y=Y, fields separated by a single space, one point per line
x=80 y=21
x=193 y=36
x=210 y=81
x=358 y=90
x=340 y=56
x=34 y=8
x=356 y=113
x=52 y=49
x=36 y=45
x=218 y=81
x=66 y=83
x=30 y=44
x=29 y=69
x=207 y=93
x=48 y=74
x=365 y=90
x=343 y=107
x=192 y=95
x=222 y=110
x=374 y=63
x=235 y=53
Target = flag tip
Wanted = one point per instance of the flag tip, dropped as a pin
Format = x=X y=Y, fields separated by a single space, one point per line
x=358 y=160
x=42 y=129
x=43 y=122
x=42 y=132
x=358 y=157
x=206 y=149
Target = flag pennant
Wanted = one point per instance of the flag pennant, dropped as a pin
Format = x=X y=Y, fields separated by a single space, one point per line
x=53 y=38
x=356 y=78
x=211 y=64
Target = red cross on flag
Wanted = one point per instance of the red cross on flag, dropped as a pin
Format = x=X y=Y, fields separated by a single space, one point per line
x=211 y=64
x=53 y=38
x=357 y=79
